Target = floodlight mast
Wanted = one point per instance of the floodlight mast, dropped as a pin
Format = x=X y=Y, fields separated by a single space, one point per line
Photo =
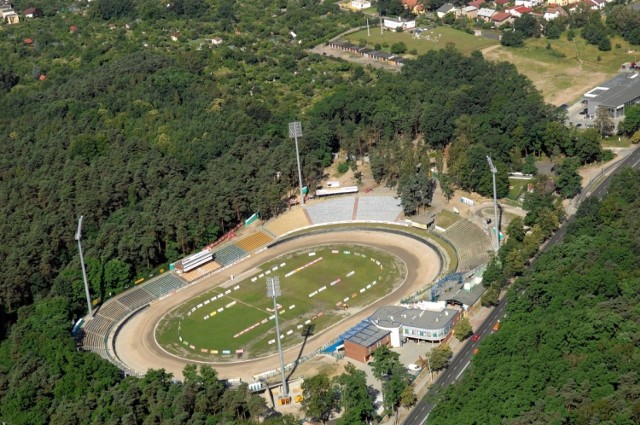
x=78 y=236
x=295 y=131
x=494 y=170
x=273 y=291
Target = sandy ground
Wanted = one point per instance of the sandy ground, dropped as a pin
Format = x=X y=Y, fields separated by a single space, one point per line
x=136 y=347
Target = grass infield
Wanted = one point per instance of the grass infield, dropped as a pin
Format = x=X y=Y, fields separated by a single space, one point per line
x=325 y=279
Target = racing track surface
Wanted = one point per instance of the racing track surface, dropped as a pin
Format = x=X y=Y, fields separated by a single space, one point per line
x=135 y=343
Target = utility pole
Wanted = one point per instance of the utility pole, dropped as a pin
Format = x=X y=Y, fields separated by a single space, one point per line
x=78 y=236
x=274 y=291
x=295 y=131
x=494 y=170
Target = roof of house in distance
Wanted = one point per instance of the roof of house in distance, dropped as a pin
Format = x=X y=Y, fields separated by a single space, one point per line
x=366 y=334
x=617 y=91
x=413 y=317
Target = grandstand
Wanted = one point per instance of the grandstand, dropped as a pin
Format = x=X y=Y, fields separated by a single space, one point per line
x=340 y=209
x=229 y=254
x=113 y=310
x=254 y=241
x=378 y=208
x=470 y=242
x=164 y=285
x=136 y=298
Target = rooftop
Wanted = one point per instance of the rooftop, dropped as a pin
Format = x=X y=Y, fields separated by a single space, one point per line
x=366 y=334
x=616 y=92
x=389 y=316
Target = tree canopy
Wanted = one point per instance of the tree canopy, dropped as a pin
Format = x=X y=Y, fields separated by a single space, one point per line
x=569 y=350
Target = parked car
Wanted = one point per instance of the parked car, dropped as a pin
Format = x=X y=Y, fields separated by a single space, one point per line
x=413 y=367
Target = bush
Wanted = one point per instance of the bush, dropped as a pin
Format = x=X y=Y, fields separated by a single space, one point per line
x=398 y=48
x=343 y=167
x=604 y=44
x=512 y=39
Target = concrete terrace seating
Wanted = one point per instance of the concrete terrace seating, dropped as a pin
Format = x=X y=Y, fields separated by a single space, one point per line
x=113 y=310
x=287 y=222
x=136 y=298
x=165 y=284
x=472 y=244
x=92 y=341
x=254 y=241
x=200 y=271
x=378 y=208
x=99 y=325
x=340 y=209
x=229 y=254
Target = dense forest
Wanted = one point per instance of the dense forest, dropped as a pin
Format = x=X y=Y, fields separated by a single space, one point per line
x=128 y=113
x=163 y=143
x=568 y=352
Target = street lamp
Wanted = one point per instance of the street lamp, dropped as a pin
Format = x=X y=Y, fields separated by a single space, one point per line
x=494 y=170
x=78 y=236
x=295 y=131
x=274 y=291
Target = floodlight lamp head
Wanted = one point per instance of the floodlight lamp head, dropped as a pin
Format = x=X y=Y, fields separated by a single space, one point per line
x=491 y=166
x=273 y=287
x=79 y=230
x=295 y=129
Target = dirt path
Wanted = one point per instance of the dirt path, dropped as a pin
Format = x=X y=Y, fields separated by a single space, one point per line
x=136 y=346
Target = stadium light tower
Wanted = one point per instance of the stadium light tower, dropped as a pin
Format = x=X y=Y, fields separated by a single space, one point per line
x=273 y=291
x=494 y=170
x=84 y=271
x=295 y=131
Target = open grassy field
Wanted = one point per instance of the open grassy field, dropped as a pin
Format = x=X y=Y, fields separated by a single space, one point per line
x=569 y=68
x=316 y=285
x=434 y=39
x=446 y=218
x=517 y=188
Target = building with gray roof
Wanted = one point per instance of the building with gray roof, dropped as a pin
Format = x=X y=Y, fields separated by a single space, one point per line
x=432 y=325
x=614 y=95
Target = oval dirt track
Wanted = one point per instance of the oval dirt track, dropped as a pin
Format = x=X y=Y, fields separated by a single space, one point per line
x=136 y=347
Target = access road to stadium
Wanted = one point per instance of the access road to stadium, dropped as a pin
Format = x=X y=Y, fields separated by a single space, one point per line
x=135 y=343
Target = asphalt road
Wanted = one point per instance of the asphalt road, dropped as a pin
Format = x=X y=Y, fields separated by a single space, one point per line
x=420 y=414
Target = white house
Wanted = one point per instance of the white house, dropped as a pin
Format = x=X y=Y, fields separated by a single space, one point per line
x=446 y=9
x=528 y=3
x=553 y=12
x=393 y=24
x=360 y=4
x=485 y=14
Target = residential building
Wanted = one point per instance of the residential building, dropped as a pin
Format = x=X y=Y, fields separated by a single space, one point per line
x=501 y=18
x=528 y=3
x=32 y=12
x=485 y=14
x=470 y=12
x=446 y=9
x=360 y=4
x=518 y=11
x=553 y=13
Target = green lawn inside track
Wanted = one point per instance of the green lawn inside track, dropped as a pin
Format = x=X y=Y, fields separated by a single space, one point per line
x=219 y=331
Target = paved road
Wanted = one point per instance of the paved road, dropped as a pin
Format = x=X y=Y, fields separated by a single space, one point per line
x=420 y=414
